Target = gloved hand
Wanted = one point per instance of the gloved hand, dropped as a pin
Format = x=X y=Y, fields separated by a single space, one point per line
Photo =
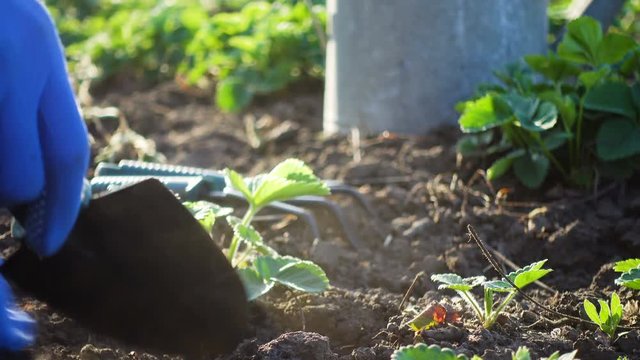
x=44 y=150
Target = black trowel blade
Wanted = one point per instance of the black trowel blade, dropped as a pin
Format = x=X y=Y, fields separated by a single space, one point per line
x=138 y=267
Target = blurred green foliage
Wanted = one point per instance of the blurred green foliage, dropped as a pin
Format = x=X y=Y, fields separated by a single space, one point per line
x=245 y=47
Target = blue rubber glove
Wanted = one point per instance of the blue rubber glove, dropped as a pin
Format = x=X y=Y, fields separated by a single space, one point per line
x=44 y=150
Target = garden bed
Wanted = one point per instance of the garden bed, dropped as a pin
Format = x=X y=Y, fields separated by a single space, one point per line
x=424 y=198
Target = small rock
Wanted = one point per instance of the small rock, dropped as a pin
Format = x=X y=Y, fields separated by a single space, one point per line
x=363 y=353
x=450 y=334
x=418 y=227
x=529 y=317
x=565 y=332
x=90 y=352
x=297 y=345
x=401 y=224
x=629 y=342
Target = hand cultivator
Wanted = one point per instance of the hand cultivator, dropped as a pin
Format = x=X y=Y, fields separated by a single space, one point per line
x=193 y=184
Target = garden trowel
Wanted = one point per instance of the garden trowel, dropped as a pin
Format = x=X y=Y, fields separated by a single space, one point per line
x=138 y=267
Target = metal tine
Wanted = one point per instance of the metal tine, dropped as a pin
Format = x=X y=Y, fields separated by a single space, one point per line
x=335 y=211
x=338 y=187
x=303 y=214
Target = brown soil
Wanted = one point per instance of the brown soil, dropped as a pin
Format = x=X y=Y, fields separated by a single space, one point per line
x=424 y=199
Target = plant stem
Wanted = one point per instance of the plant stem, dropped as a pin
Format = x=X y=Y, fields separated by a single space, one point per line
x=235 y=241
x=552 y=158
x=471 y=301
x=578 y=142
x=491 y=320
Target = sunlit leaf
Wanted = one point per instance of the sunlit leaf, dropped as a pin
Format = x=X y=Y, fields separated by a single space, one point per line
x=521 y=354
x=483 y=114
x=456 y=282
x=232 y=94
x=626 y=265
x=287 y=180
x=424 y=352
x=236 y=181
x=303 y=276
x=206 y=212
x=591 y=312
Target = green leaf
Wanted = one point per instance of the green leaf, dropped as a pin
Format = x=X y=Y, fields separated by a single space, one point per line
x=626 y=265
x=303 y=276
x=498 y=286
x=206 y=212
x=291 y=178
x=523 y=107
x=482 y=114
x=456 y=282
x=503 y=164
x=237 y=182
x=612 y=97
x=254 y=285
x=565 y=105
x=568 y=356
x=545 y=117
x=605 y=313
x=592 y=312
x=630 y=279
x=232 y=94
x=591 y=78
x=521 y=277
x=531 y=169
x=552 y=67
x=613 y=48
x=531 y=113
x=250 y=236
x=555 y=139
x=618 y=139
x=522 y=354
x=292 y=272
x=529 y=274
x=616 y=309
x=268 y=266
x=424 y=352
x=581 y=41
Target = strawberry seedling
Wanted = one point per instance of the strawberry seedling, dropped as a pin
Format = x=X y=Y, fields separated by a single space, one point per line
x=609 y=316
x=488 y=314
x=260 y=266
x=434 y=352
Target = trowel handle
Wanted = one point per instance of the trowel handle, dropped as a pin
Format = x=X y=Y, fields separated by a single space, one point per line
x=139 y=168
x=190 y=188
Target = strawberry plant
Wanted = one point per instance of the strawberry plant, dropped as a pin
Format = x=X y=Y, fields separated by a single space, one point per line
x=244 y=47
x=434 y=352
x=609 y=315
x=489 y=312
x=260 y=266
x=575 y=112
x=630 y=273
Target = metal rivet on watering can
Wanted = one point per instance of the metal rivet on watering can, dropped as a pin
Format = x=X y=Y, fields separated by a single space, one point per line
x=402 y=65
